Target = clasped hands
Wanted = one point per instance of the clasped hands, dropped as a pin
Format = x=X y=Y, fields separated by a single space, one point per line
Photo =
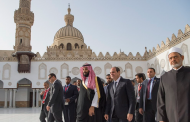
x=129 y=117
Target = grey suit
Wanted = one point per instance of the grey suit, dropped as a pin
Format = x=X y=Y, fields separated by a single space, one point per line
x=149 y=106
x=138 y=116
x=121 y=102
x=56 y=102
x=44 y=112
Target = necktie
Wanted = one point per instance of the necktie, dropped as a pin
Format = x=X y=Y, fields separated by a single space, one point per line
x=66 y=87
x=148 y=89
x=139 y=89
x=43 y=101
x=115 y=86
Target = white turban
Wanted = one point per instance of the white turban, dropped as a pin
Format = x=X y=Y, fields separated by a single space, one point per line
x=175 y=49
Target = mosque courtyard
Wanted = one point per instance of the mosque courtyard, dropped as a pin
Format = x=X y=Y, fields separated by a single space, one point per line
x=19 y=114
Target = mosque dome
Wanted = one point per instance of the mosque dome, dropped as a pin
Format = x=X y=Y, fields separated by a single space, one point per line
x=68 y=31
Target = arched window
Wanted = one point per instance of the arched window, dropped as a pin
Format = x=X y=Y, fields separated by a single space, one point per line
x=76 y=46
x=20 y=41
x=69 y=47
x=82 y=46
x=61 y=46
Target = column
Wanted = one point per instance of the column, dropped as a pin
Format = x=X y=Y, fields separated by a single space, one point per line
x=33 y=102
x=11 y=98
x=14 y=97
x=5 y=104
x=37 y=98
x=40 y=98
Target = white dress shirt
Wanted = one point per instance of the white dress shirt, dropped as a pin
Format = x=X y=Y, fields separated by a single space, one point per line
x=178 y=68
x=117 y=81
x=95 y=102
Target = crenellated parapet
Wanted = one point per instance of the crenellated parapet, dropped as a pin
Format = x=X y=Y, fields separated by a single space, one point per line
x=169 y=43
x=75 y=52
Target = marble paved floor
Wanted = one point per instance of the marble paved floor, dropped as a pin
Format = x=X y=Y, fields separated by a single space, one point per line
x=19 y=114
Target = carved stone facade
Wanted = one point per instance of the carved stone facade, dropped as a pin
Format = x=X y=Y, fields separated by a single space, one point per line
x=107 y=68
x=156 y=66
x=121 y=69
x=42 y=72
x=162 y=63
x=6 y=75
x=128 y=70
x=75 y=71
x=64 y=70
x=24 y=19
x=139 y=69
x=53 y=70
x=184 y=47
x=97 y=70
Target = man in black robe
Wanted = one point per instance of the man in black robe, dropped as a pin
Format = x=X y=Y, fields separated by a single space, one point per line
x=173 y=103
x=92 y=98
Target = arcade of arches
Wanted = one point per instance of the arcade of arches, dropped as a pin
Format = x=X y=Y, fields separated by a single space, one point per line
x=14 y=97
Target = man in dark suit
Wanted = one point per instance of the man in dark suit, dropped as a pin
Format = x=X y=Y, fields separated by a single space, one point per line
x=139 y=78
x=121 y=98
x=148 y=96
x=55 y=104
x=70 y=94
x=44 y=95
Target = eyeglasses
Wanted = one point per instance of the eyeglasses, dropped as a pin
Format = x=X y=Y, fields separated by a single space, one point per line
x=50 y=78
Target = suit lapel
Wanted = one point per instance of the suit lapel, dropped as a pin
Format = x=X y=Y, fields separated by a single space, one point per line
x=112 y=87
x=154 y=82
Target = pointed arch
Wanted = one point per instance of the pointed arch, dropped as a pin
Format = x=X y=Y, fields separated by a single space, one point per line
x=69 y=46
x=156 y=66
x=184 y=47
x=107 y=68
x=128 y=70
x=64 y=70
x=42 y=71
x=6 y=75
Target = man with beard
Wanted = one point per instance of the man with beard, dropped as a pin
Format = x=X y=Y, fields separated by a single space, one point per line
x=109 y=80
x=173 y=103
x=91 y=100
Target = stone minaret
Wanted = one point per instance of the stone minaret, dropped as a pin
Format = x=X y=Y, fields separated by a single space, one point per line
x=24 y=19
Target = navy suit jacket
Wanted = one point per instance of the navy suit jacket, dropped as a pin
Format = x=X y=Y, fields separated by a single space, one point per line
x=71 y=93
x=154 y=93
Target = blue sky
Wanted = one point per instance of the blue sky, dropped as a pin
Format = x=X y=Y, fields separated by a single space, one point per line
x=106 y=25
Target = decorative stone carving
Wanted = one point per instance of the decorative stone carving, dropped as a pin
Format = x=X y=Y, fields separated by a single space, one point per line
x=64 y=70
x=42 y=71
x=24 y=59
x=180 y=33
x=157 y=67
x=152 y=66
x=9 y=83
x=187 y=28
x=121 y=70
x=128 y=70
x=184 y=47
x=107 y=68
x=75 y=71
x=139 y=69
x=6 y=72
x=53 y=70
x=100 y=55
x=148 y=65
x=162 y=63
x=115 y=55
x=107 y=55
x=97 y=70
x=38 y=83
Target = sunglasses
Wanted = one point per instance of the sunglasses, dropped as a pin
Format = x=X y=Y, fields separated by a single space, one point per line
x=50 y=78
